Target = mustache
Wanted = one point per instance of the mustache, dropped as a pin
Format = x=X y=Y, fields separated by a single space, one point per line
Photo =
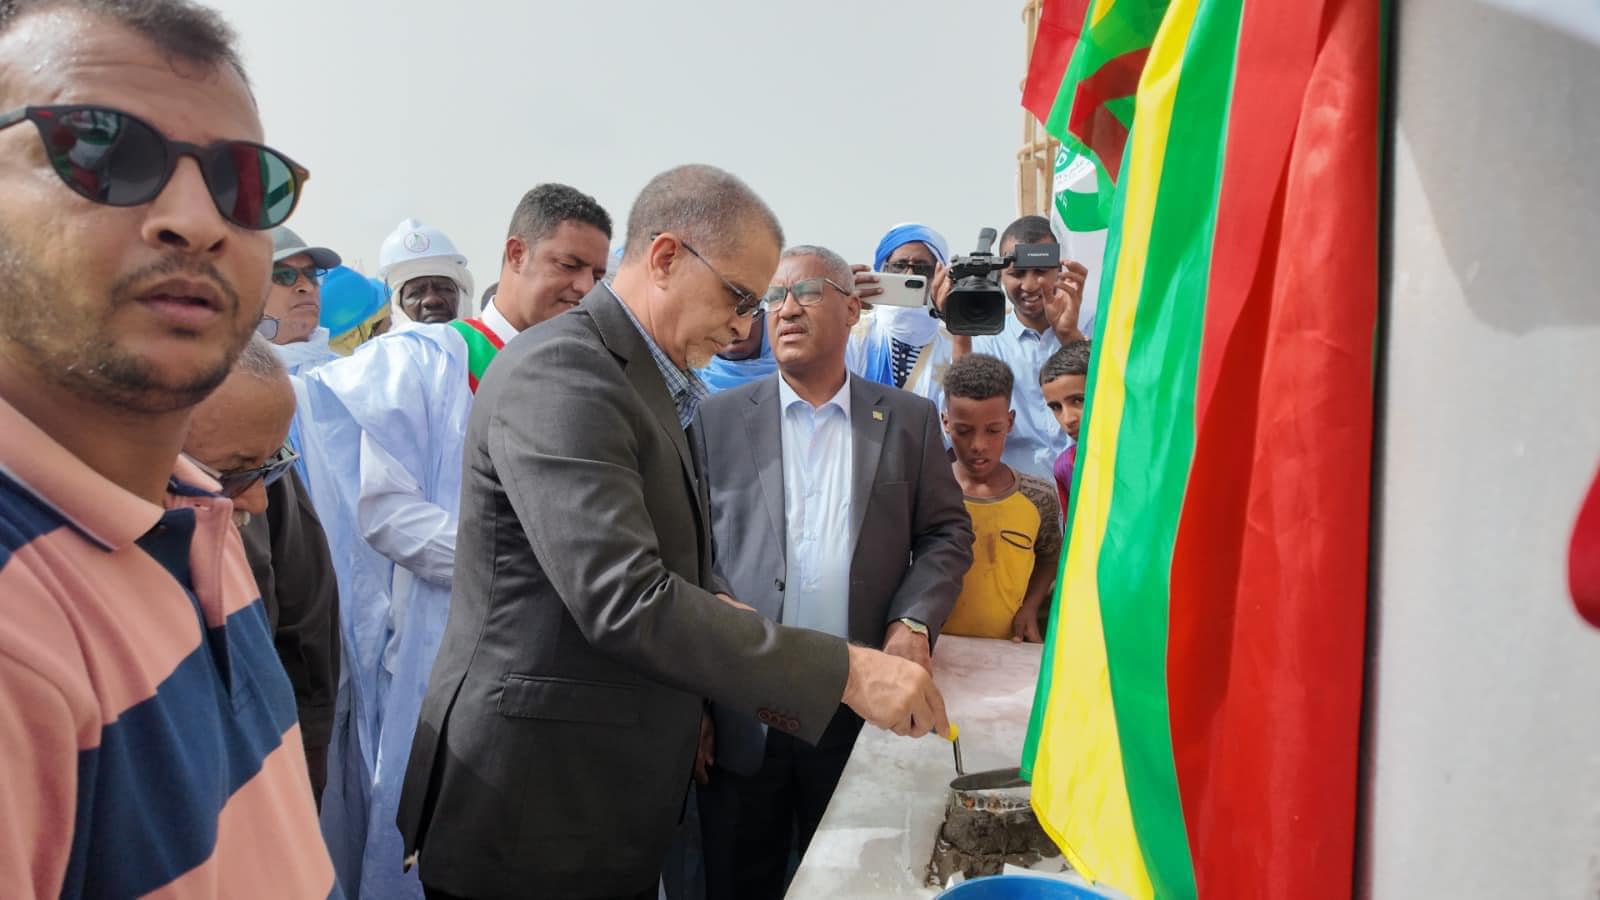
x=123 y=290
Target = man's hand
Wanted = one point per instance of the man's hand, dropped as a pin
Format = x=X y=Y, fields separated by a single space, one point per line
x=901 y=641
x=1025 y=626
x=705 y=751
x=1062 y=306
x=939 y=289
x=893 y=693
x=734 y=603
x=867 y=285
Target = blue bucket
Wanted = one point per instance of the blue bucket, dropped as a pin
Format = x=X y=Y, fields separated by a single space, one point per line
x=1019 y=887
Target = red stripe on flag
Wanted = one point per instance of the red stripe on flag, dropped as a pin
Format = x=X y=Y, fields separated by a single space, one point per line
x=1060 y=24
x=483 y=329
x=1583 y=557
x=1269 y=572
x=1094 y=124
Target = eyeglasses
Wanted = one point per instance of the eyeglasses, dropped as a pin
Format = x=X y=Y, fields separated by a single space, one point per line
x=807 y=293
x=113 y=158
x=267 y=327
x=745 y=302
x=286 y=276
x=235 y=483
x=909 y=267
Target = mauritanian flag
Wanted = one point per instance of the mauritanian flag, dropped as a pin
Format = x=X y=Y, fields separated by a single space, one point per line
x=1196 y=727
x=1082 y=77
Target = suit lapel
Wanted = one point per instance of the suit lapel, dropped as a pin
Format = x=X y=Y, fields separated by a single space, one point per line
x=623 y=338
x=763 y=420
x=869 y=422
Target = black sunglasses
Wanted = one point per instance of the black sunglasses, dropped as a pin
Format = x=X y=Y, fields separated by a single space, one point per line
x=235 y=483
x=745 y=302
x=111 y=157
x=286 y=275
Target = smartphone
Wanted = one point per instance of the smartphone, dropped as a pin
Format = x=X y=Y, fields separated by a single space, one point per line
x=901 y=290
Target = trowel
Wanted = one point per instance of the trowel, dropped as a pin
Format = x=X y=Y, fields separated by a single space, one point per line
x=992 y=780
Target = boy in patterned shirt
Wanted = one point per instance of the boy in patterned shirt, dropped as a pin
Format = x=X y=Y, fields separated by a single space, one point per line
x=1015 y=518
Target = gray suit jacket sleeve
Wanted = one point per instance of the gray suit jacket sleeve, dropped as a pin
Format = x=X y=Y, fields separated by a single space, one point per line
x=561 y=440
x=941 y=548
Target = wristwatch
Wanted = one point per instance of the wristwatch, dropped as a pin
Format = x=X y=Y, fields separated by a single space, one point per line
x=914 y=625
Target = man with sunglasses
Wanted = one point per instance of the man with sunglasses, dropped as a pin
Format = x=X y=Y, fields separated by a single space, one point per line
x=861 y=521
x=291 y=320
x=237 y=438
x=564 y=713
x=147 y=727
x=384 y=442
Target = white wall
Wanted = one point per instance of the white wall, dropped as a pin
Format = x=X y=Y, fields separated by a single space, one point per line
x=1484 y=750
x=847 y=117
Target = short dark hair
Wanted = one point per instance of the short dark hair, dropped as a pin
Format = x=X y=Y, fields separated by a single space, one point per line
x=1071 y=359
x=489 y=292
x=978 y=376
x=542 y=210
x=1028 y=230
x=703 y=204
x=181 y=29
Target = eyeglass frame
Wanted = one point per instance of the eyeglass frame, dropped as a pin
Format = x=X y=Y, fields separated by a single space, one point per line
x=298 y=174
x=244 y=479
x=771 y=306
x=910 y=267
x=745 y=303
x=313 y=274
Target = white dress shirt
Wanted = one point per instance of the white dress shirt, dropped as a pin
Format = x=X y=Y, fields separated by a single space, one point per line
x=817 y=465
x=497 y=322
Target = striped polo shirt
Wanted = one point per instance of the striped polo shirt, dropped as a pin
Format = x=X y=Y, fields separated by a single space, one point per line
x=147 y=731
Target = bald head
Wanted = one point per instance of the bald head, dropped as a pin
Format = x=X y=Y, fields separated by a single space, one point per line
x=710 y=208
x=246 y=419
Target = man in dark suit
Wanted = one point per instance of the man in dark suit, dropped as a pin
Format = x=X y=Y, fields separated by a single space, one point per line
x=563 y=714
x=833 y=508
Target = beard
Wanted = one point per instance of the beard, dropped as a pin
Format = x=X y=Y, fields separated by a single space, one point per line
x=77 y=348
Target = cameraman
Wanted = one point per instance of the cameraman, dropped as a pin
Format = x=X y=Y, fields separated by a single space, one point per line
x=1044 y=315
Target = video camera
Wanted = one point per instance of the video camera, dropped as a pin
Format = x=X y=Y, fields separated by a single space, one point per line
x=976 y=303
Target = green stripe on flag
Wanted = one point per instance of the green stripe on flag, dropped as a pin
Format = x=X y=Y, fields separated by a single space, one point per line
x=1041 y=694
x=1156 y=443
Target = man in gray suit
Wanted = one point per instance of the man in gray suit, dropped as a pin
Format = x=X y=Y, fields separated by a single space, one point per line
x=562 y=717
x=833 y=508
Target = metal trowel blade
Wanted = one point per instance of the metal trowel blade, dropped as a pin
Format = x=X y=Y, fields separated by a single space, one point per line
x=992 y=780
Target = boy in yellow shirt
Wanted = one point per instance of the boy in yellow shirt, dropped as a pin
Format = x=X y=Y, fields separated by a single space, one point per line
x=1015 y=519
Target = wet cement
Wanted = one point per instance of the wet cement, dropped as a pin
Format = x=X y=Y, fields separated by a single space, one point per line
x=983 y=831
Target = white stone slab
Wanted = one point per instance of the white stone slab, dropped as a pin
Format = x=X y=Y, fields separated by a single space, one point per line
x=879 y=830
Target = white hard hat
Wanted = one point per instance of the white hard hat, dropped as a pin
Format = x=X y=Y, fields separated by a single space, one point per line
x=415 y=250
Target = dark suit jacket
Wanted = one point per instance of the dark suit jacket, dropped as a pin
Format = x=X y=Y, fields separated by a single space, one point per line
x=558 y=733
x=289 y=558
x=909 y=527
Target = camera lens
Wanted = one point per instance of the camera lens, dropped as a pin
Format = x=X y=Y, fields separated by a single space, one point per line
x=917 y=283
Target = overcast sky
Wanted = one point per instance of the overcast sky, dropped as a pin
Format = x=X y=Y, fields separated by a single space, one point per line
x=847 y=117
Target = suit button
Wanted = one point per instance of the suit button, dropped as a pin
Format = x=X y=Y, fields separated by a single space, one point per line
x=765 y=716
x=791 y=725
x=778 y=583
